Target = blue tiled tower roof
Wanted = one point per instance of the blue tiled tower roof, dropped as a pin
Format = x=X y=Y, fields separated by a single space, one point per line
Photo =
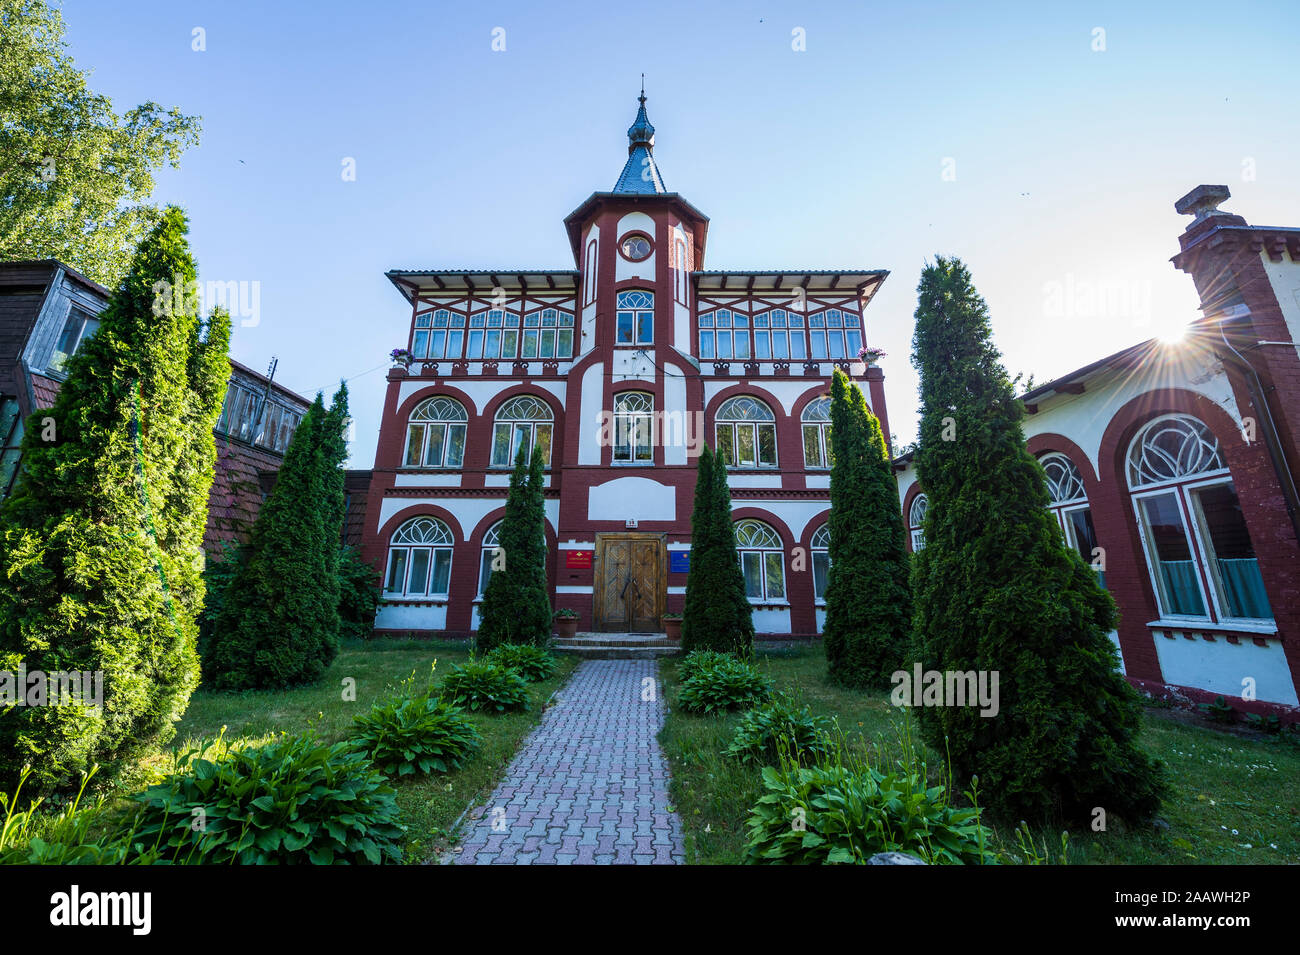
x=641 y=173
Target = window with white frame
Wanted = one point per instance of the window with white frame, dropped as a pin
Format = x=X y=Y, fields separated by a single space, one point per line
x=821 y=560
x=1068 y=502
x=419 y=560
x=78 y=327
x=438 y=334
x=491 y=554
x=916 y=521
x=635 y=318
x=724 y=334
x=548 y=333
x=762 y=560
x=633 y=411
x=835 y=333
x=493 y=334
x=435 y=434
x=1197 y=546
x=745 y=433
x=816 y=421
x=522 y=421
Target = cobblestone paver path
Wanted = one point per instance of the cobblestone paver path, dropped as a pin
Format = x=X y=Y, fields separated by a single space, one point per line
x=590 y=785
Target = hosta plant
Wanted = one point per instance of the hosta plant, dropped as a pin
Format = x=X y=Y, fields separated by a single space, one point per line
x=534 y=663
x=698 y=660
x=725 y=684
x=415 y=732
x=483 y=686
x=293 y=800
x=842 y=811
x=781 y=726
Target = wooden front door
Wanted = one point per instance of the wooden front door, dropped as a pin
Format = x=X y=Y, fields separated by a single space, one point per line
x=629 y=578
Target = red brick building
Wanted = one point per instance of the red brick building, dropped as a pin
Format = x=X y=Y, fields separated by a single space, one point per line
x=48 y=309
x=618 y=368
x=1171 y=467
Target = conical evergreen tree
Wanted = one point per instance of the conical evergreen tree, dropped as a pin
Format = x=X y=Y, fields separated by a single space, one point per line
x=717 y=615
x=516 y=608
x=997 y=589
x=868 y=598
x=100 y=545
x=279 y=625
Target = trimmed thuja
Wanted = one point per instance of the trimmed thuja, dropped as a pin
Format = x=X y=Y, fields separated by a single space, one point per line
x=997 y=589
x=516 y=607
x=101 y=543
x=717 y=615
x=868 y=597
x=279 y=623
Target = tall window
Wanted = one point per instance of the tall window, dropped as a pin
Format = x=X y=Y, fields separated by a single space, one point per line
x=817 y=434
x=419 y=560
x=635 y=318
x=762 y=560
x=79 y=327
x=523 y=420
x=11 y=439
x=435 y=434
x=1197 y=546
x=439 y=334
x=746 y=433
x=835 y=333
x=916 y=521
x=493 y=334
x=548 y=334
x=491 y=544
x=821 y=560
x=632 y=417
x=242 y=404
x=1069 y=504
x=724 y=334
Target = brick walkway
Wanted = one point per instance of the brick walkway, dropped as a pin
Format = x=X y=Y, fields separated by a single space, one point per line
x=589 y=786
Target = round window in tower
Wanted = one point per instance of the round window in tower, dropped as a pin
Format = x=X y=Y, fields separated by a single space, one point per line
x=636 y=247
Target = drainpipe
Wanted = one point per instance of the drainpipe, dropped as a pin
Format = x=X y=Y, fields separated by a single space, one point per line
x=1286 y=480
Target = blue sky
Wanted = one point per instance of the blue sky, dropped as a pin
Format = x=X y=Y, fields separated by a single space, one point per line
x=993 y=132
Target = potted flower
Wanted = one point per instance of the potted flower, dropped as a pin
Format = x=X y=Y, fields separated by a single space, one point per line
x=673 y=626
x=566 y=622
x=871 y=355
x=401 y=358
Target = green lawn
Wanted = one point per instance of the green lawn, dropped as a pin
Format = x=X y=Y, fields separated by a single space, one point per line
x=1234 y=794
x=430 y=804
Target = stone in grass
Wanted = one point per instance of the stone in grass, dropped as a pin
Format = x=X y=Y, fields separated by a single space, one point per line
x=894 y=858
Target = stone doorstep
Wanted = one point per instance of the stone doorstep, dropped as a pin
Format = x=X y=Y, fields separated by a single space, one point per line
x=620 y=640
x=600 y=651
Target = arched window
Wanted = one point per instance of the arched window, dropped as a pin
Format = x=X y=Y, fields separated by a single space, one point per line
x=633 y=412
x=435 y=434
x=635 y=318
x=1197 y=546
x=916 y=520
x=762 y=560
x=835 y=333
x=419 y=559
x=523 y=420
x=491 y=554
x=745 y=430
x=821 y=560
x=1069 y=504
x=548 y=333
x=438 y=334
x=817 y=433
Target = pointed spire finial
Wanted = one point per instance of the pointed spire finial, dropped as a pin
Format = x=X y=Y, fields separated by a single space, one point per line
x=641 y=98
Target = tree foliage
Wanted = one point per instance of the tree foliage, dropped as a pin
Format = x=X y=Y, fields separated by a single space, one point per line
x=516 y=607
x=74 y=175
x=101 y=544
x=717 y=614
x=868 y=597
x=279 y=625
x=998 y=589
